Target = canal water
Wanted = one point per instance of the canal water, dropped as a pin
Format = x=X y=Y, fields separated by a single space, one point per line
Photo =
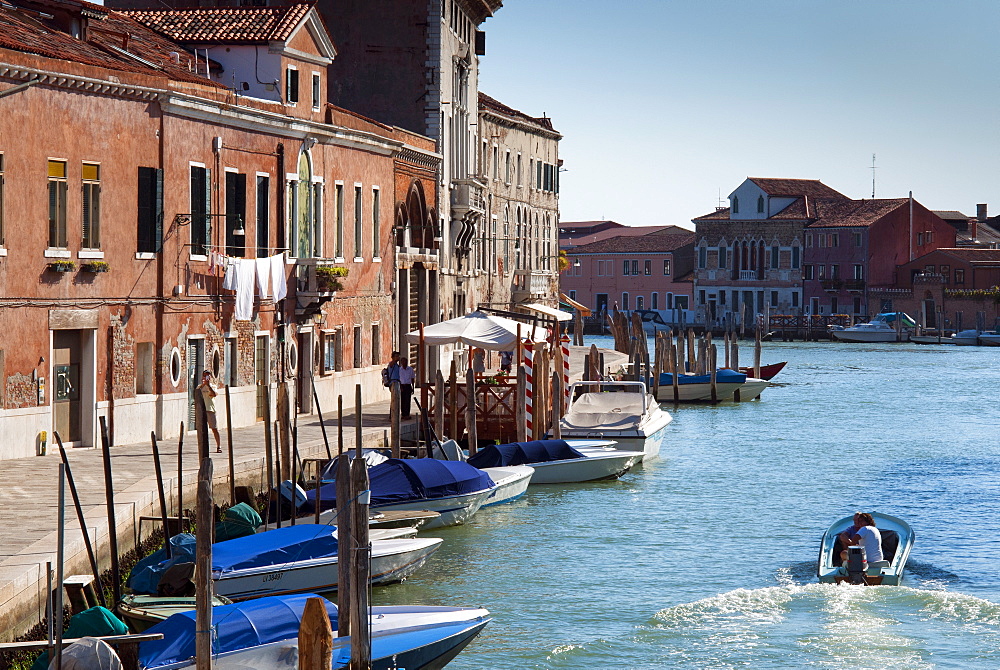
x=706 y=557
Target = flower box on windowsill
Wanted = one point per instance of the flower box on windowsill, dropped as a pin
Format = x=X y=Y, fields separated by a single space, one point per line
x=95 y=266
x=328 y=278
x=62 y=266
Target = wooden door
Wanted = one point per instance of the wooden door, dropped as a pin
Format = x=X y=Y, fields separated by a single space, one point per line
x=261 y=378
x=66 y=355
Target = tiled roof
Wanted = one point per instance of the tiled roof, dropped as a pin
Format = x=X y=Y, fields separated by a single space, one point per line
x=115 y=42
x=950 y=214
x=642 y=244
x=607 y=233
x=787 y=188
x=486 y=102
x=835 y=212
x=229 y=25
x=991 y=256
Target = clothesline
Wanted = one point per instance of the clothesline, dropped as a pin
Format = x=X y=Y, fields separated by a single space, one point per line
x=243 y=274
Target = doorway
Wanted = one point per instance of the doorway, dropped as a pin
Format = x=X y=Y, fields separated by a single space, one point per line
x=261 y=378
x=67 y=358
x=196 y=363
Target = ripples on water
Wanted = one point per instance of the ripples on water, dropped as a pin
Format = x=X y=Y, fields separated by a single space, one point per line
x=705 y=558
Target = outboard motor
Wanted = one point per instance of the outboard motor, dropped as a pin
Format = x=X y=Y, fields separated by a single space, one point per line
x=857 y=563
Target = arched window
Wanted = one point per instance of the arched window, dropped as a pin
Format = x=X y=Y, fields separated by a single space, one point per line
x=304 y=213
x=760 y=204
x=736 y=205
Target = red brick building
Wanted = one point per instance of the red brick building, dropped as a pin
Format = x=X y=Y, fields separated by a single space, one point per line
x=148 y=165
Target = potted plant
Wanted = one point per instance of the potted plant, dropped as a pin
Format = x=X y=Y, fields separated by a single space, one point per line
x=62 y=266
x=95 y=266
x=328 y=278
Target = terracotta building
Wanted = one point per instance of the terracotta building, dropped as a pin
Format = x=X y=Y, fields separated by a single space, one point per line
x=151 y=169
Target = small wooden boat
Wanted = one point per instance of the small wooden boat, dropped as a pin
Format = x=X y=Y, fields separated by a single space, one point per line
x=557 y=462
x=620 y=411
x=766 y=371
x=264 y=634
x=897 y=540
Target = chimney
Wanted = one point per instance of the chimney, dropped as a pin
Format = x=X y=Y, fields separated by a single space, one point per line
x=981 y=212
x=974 y=228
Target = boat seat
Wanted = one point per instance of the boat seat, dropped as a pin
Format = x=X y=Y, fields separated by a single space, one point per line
x=875 y=568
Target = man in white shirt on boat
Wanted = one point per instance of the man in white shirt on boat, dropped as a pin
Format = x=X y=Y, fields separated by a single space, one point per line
x=866 y=535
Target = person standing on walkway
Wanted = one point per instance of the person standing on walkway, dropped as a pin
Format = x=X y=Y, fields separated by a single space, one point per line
x=390 y=373
x=208 y=392
x=406 y=377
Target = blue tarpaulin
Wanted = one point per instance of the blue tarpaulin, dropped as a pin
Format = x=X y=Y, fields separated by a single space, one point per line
x=237 y=626
x=402 y=480
x=722 y=376
x=524 y=453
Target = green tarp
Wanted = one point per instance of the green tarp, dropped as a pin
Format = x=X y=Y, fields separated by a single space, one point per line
x=95 y=622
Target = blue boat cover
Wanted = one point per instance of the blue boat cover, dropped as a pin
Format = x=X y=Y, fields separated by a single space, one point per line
x=401 y=480
x=238 y=626
x=722 y=376
x=145 y=576
x=524 y=453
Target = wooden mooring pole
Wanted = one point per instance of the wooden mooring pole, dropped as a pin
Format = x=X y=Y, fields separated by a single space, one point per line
x=109 y=492
x=79 y=514
x=203 y=567
x=315 y=637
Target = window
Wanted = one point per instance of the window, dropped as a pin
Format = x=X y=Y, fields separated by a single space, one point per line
x=531 y=173
x=635 y=268
x=201 y=199
x=496 y=162
x=376 y=223
x=144 y=358
x=358 y=243
x=701 y=297
x=507 y=171
x=857 y=239
x=930 y=269
x=774 y=298
x=654 y=301
x=859 y=271
x=648 y=268
x=809 y=240
x=736 y=210
x=236 y=213
x=91 y=220
x=702 y=257
x=795 y=257
x=291 y=86
x=821 y=272
x=339 y=194
x=538 y=174
x=760 y=204
x=929 y=237
x=263 y=216
x=835 y=239
x=149 y=218
x=857 y=305
x=376 y=344
x=357 y=347
x=834 y=306
x=572 y=295
x=945 y=272
x=519 y=171
x=723 y=253
x=57 y=204
x=722 y=297
x=626 y=268
x=920 y=239
x=316 y=91
x=1 y=200
x=821 y=240
x=624 y=300
x=774 y=258
x=333 y=350
x=834 y=272
x=807 y=271
x=666 y=267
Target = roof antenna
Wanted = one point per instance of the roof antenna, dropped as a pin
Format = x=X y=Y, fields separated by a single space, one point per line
x=873 y=176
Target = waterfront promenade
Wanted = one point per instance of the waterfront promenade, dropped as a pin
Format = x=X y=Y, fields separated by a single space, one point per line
x=29 y=499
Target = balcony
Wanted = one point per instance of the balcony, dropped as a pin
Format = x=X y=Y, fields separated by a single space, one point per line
x=837 y=285
x=312 y=289
x=532 y=284
x=748 y=275
x=467 y=195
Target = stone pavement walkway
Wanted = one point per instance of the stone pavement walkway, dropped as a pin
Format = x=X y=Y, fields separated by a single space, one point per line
x=29 y=493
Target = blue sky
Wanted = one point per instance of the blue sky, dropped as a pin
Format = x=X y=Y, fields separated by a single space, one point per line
x=664 y=104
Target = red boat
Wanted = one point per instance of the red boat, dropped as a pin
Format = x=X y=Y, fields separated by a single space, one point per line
x=766 y=371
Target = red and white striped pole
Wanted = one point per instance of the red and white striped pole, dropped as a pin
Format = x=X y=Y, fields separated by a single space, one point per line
x=528 y=386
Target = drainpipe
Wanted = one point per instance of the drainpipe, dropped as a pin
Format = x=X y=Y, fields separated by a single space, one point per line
x=158 y=307
x=912 y=254
x=279 y=308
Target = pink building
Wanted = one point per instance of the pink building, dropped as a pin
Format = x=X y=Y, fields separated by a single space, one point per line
x=651 y=271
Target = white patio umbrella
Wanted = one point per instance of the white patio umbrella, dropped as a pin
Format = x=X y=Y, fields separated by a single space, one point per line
x=481 y=330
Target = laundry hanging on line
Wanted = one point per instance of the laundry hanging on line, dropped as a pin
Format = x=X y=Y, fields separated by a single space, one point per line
x=249 y=275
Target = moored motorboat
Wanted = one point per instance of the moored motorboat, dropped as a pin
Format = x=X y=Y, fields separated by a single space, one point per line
x=897 y=540
x=264 y=634
x=556 y=462
x=882 y=328
x=453 y=489
x=931 y=339
x=512 y=482
x=989 y=339
x=692 y=387
x=752 y=388
x=293 y=559
x=623 y=412
x=140 y=611
x=966 y=338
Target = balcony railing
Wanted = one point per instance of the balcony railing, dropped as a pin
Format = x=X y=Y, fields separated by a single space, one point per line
x=312 y=290
x=748 y=275
x=533 y=282
x=467 y=195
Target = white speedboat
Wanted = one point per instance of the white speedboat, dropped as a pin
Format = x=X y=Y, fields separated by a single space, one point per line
x=557 y=462
x=930 y=339
x=453 y=489
x=620 y=411
x=512 y=481
x=880 y=329
x=989 y=339
x=967 y=338
x=897 y=540
x=752 y=388
x=264 y=634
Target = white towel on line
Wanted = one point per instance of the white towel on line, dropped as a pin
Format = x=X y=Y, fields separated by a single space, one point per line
x=278 y=279
x=263 y=274
x=245 y=270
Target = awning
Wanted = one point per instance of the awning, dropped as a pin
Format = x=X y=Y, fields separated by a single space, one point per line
x=574 y=304
x=486 y=331
x=545 y=310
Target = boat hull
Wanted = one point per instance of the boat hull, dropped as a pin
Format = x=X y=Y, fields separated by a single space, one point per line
x=766 y=371
x=848 y=335
x=697 y=392
x=391 y=561
x=512 y=482
x=647 y=439
x=828 y=564
x=990 y=340
x=451 y=510
x=752 y=388
x=596 y=465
